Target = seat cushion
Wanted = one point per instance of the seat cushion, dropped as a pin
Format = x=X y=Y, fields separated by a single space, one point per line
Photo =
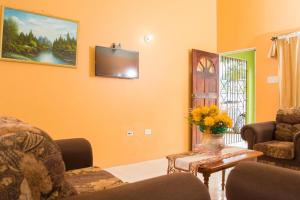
x=31 y=164
x=276 y=149
x=91 y=179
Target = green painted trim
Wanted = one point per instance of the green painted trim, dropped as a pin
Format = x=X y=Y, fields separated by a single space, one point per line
x=249 y=56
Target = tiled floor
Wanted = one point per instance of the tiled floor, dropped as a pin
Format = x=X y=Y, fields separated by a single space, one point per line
x=149 y=169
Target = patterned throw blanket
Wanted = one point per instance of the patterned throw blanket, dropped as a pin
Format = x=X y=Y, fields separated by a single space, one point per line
x=192 y=161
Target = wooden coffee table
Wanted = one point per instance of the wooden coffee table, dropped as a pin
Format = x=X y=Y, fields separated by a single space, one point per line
x=210 y=167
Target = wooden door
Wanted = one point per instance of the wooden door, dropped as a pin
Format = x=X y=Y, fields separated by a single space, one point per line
x=205 y=84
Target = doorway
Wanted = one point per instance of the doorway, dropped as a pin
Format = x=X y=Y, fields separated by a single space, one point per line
x=227 y=80
x=237 y=90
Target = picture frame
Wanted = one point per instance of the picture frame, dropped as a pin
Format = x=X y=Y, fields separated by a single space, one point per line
x=31 y=37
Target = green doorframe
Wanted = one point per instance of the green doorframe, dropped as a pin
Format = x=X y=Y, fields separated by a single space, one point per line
x=249 y=55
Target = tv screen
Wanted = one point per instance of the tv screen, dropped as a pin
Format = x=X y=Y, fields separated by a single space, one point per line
x=117 y=63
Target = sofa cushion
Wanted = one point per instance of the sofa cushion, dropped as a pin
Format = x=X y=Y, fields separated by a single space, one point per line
x=91 y=179
x=276 y=149
x=286 y=132
x=31 y=165
x=288 y=115
x=287 y=124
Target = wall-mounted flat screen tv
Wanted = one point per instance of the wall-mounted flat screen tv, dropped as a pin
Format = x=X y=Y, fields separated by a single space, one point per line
x=119 y=63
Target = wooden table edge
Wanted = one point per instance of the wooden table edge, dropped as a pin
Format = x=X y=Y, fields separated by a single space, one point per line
x=220 y=165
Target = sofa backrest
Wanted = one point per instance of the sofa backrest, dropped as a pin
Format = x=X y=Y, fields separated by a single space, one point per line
x=287 y=124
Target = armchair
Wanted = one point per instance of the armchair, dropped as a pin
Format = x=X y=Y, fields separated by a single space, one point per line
x=279 y=140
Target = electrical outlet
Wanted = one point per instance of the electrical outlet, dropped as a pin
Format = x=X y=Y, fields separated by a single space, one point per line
x=148 y=132
x=130 y=133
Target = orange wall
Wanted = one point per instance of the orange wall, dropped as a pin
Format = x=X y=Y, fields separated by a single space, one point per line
x=72 y=103
x=245 y=24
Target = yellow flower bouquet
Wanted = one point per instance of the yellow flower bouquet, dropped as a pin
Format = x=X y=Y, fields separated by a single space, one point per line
x=210 y=119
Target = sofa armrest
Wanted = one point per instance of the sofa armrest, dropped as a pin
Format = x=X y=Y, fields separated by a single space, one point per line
x=169 y=187
x=76 y=152
x=251 y=180
x=297 y=146
x=257 y=133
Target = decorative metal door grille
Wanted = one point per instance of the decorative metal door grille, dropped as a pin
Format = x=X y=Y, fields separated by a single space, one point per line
x=233 y=88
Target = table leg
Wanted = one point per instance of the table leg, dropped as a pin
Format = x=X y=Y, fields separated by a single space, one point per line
x=223 y=179
x=206 y=179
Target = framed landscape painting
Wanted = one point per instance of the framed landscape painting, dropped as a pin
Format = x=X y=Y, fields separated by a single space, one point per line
x=37 y=38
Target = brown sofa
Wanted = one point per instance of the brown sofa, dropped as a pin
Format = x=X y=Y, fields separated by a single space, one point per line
x=256 y=181
x=77 y=155
x=279 y=140
x=33 y=166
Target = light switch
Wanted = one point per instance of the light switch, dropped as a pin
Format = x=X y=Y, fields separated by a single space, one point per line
x=148 y=132
x=272 y=79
